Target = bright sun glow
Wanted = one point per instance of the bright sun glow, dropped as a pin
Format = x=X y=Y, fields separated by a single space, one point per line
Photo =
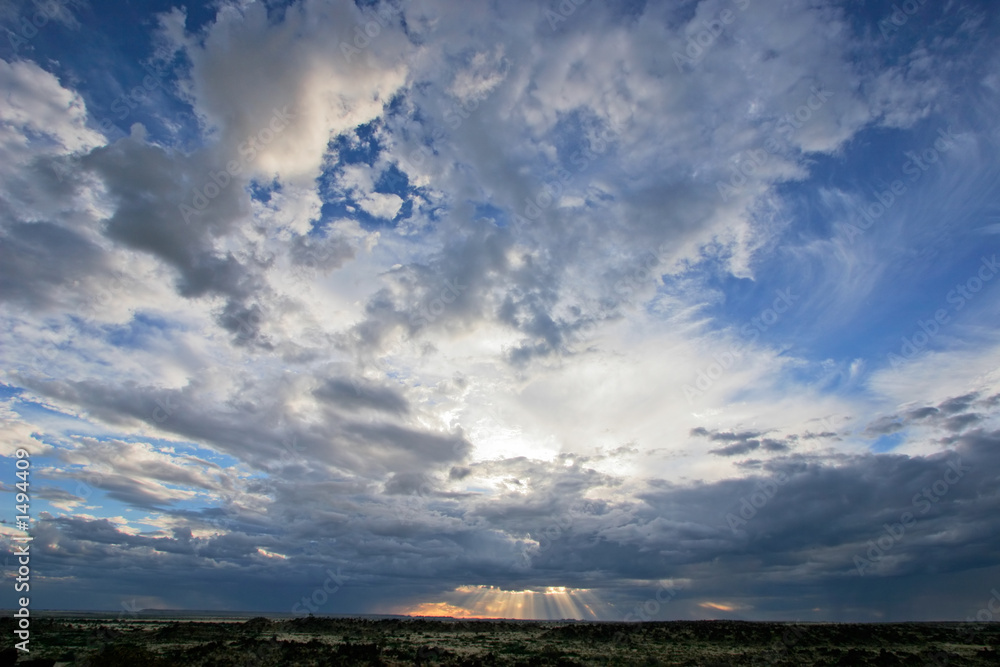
x=552 y=602
x=721 y=606
x=491 y=443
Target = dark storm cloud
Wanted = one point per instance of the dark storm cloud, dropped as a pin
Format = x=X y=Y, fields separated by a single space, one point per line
x=382 y=316
x=99 y=531
x=959 y=423
x=405 y=483
x=45 y=251
x=245 y=323
x=459 y=472
x=884 y=426
x=773 y=445
x=811 y=516
x=398 y=446
x=55 y=493
x=131 y=491
x=737 y=448
x=149 y=184
x=451 y=290
x=746 y=436
x=816 y=514
x=159 y=552
x=258 y=430
x=814 y=436
x=958 y=404
x=950 y=415
x=36 y=258
x=148 y=569
x=359 y=394
x=158 y=212
x=922 y=413
x=311 y=255
x=742 y=442
x=725 y=436
x=834 y=508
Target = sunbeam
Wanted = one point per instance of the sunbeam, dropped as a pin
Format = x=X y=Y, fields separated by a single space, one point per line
x=549 y=603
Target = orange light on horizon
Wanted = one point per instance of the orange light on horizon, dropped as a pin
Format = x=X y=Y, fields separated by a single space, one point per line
x=442 y=609
x=549 y=603
x=719 y=606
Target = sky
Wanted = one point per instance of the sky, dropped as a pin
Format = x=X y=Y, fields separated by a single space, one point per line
x=610 y=310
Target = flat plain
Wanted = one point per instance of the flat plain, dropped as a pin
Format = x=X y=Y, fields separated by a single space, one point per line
x=321 y=641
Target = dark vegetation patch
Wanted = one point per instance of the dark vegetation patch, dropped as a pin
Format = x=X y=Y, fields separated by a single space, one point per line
x=333 y=642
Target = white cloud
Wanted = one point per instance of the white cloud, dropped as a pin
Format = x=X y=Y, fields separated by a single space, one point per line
x=381 y=205
x=35 y=101
x=248 y=68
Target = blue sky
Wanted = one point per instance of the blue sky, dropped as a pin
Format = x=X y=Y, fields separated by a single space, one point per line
x=518 y=309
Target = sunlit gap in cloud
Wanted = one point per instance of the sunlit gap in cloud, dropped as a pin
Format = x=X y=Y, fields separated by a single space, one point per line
x=722 y=606
x=501 y=443
x=550 y=603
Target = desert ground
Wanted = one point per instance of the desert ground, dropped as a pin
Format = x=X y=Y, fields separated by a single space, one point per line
x=320 y=641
